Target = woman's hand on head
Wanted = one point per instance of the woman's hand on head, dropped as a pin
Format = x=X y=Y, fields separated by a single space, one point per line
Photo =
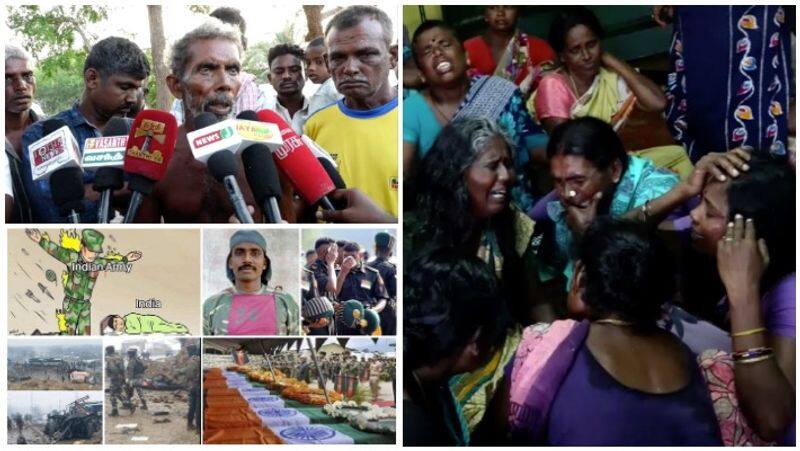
x=741 y=259
x=720 y=166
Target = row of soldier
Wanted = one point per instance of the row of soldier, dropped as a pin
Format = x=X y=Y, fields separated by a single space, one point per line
x=345 y=370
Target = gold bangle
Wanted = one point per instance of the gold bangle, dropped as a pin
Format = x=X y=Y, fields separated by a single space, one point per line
x=754 y=359
x=745 y=333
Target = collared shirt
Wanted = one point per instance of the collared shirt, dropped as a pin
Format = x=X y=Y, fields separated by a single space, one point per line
x=363 y=284
x=41 y=199
x=22 y=207
x=325 y=95
x=297 y=121
x=249 y=98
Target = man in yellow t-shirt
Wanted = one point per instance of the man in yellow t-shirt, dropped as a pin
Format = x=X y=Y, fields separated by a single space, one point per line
x=360 y=131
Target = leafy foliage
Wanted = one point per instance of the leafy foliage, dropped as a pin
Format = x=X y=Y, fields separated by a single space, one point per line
x=47 y=31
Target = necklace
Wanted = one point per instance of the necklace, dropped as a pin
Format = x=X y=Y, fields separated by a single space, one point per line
x=613 y=322
x=441 y=114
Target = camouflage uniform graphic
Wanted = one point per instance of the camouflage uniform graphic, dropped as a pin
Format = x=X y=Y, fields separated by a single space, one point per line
x=79 y=284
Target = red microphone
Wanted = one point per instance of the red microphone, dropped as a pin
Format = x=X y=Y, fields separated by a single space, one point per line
x=299 y=164
x=151 y=144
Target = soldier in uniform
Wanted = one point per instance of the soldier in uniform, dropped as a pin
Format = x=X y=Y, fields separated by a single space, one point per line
x=361 y=282
x=375 y=372
x=134 y=372
x=115 y=369
x=324 y=267
x=190 y=375
x=74 y=318
x=384 y=246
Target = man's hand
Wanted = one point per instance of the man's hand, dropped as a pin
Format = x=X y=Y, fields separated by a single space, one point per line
x=34 y=234
x=358 y=209
x=332 y=254
x=133 y=256
x=348 y=263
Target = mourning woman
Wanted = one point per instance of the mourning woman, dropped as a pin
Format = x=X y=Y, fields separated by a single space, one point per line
x=464 y=205
x=450 y=93
x=454 y=320
x=616 y=378
x=748 y=223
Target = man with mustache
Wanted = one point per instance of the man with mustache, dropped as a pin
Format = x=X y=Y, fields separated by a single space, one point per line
x=20 y=88
x=113 y=74
x=250 y=307
x=250 y=97
x=286 y=77
x=205 y=68
x=360 y=131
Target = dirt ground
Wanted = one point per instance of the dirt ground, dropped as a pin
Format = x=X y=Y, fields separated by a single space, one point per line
x=35 y=434
x=51 y=384
x=142 y=426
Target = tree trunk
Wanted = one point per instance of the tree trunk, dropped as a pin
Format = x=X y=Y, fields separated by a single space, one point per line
x=314 y=20
x=157 y=44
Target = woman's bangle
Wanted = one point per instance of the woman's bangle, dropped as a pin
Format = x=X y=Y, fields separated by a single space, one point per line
x=754 y=359
x=646 y=210
x=747 y=332
x=751 y=353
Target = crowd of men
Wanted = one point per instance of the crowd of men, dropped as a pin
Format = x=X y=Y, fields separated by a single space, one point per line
x=352 y=118
x=345 y=294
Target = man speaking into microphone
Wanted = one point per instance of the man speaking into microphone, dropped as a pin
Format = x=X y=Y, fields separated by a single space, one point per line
x=113 y=76
x=204 y=73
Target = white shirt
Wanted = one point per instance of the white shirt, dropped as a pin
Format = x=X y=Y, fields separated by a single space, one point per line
x=325 y=95
x=297 y=121
x=8 y=189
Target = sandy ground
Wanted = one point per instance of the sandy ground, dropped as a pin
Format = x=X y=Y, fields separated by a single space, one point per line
x=35 y=434
x=147 y=431
x=51 y=384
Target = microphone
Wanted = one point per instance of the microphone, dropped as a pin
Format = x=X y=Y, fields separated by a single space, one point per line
x=299 y=164
x=262 y=175
x=337 y=179
x=151 y=143
x=54 y=157
x=214 y=143
x=212 y=135
x=107 y=156
x=252 y=131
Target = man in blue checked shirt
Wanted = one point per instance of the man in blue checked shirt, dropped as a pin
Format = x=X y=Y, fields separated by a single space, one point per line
x=113 y=77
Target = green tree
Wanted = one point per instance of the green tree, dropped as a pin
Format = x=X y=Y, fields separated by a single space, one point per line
x=47 y=32
x=59 y=80
x=50 y=34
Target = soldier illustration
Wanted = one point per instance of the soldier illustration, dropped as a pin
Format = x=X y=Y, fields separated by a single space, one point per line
x=83 y=267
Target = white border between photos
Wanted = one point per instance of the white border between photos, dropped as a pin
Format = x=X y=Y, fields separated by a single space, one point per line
x=396 y=227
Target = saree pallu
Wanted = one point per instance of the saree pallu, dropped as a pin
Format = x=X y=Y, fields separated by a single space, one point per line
x=500 y=101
